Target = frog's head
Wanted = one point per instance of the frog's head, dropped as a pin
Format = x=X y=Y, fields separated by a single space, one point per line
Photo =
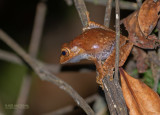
x=71 y=54
x=84 y=45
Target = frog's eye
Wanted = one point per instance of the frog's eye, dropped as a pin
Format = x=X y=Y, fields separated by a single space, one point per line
x=65 y=52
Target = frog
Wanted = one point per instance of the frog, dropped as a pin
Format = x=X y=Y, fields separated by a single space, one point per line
x=97 y=43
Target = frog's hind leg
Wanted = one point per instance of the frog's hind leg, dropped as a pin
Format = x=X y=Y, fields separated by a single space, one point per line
x=100 y=72
x=124 y=53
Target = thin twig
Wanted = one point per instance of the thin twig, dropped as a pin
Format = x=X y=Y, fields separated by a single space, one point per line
x=33 y=50
x=42 y=72
x=37 y=28
x=70 y=108
x=13 y=58
x=156 y=80
x=155 y=69
x=123 y=4
x=117 y=12
x=23 y=96
x=154 y=59
x=120 y=102
x=10 y=57
x=139 y=2
x=108 y=13
x=82 y=11
x=157 y=74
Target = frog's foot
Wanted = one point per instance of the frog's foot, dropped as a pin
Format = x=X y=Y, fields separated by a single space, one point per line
x=99 y=80
x=100 y=77
x=110 y=75
x=109 y=71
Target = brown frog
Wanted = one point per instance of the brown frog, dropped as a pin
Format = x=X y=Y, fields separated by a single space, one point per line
x=96 y=43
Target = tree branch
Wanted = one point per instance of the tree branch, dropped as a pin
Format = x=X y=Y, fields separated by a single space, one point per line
x=37 y=28
x=42 y=72
x=117 y=12
x=10 y=57
x=114 y=97
x=139 y=2
x=33 y=50
x=82 y=11
x=112 y=89
x=108 y=13
x=155 y=68
x=155 y=64
x=123 y=4
x=157 y=79
x=70 y=108
x=120 y=102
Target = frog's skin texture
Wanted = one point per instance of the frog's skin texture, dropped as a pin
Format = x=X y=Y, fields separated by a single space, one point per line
x=96 y=43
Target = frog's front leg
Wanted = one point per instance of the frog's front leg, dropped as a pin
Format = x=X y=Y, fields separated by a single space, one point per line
x=109 y=64
x=100 y=71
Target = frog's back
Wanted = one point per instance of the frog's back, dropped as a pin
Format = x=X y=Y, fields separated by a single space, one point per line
x=95 y=40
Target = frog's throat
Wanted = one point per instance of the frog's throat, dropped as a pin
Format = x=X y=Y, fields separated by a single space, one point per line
x=78 y=58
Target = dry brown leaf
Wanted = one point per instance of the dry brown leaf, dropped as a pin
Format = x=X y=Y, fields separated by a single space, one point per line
x=140 y=99
x=135 y=34
x=148 y=16
x=141 y=23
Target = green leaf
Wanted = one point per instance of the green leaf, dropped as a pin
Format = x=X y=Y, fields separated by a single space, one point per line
x=134 y=73
x=158 y=90
x=148 y=79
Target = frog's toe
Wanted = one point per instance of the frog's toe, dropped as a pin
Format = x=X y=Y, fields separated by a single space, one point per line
x=98 y=80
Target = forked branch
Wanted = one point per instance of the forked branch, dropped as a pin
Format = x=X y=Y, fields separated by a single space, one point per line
x=42 y=72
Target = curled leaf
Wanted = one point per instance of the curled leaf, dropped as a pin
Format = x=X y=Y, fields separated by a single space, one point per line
x=135 y=34
x=141 y=23
x=148 y=16
x=140 y=99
